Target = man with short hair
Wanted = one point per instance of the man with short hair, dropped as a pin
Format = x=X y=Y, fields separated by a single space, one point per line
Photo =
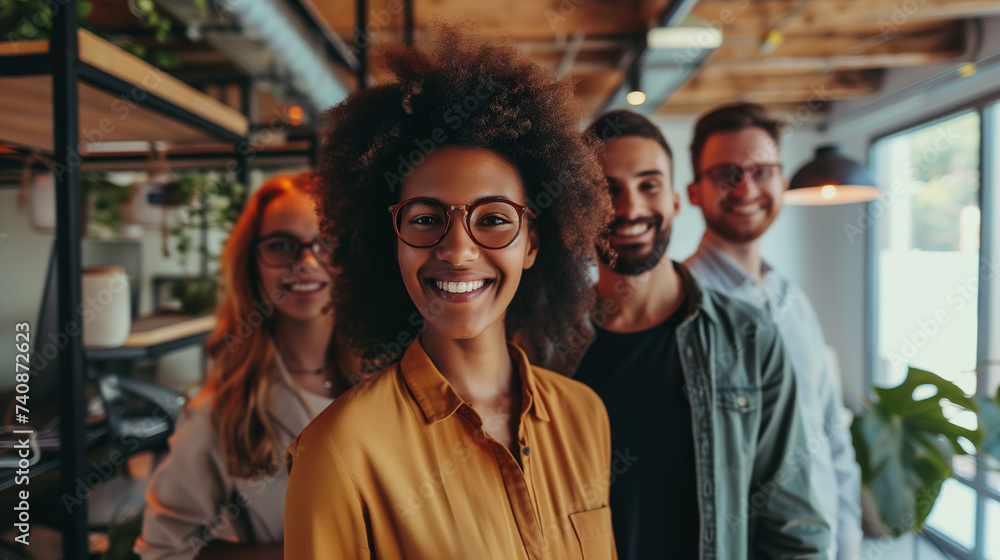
x=738 y=186
x=711 y=454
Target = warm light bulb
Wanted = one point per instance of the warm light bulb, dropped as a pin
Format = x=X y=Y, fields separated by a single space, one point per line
x=828 y=192
x=295 y=114
x=636 y=98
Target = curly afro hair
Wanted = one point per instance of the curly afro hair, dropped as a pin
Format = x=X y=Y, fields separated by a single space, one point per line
x=466 y=93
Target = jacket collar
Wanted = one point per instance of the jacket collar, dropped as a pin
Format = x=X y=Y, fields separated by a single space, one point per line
x=437 y=398
x=694 y=295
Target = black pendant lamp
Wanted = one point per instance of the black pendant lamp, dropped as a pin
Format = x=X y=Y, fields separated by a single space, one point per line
x=830 y=178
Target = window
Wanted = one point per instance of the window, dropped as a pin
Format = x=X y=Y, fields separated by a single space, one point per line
x=935 y=289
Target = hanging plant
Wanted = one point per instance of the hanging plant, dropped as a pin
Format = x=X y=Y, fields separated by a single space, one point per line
x=210 y=201
x=103 y=202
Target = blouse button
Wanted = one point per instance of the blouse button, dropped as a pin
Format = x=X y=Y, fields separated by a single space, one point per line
x=741 y=400
x=526 y=450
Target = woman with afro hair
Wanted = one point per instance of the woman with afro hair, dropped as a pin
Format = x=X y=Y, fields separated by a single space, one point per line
x=466 y=205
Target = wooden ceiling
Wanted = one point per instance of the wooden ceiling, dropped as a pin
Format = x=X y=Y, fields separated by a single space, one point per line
x=829 y=49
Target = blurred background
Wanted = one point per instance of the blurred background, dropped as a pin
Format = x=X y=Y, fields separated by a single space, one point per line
x=185 y=106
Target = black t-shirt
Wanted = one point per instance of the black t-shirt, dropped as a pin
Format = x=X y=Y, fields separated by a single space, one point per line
x=654 y=502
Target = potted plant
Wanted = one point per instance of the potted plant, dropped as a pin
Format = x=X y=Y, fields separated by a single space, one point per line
x=22 y=20
x=103 y=203
x=210 y=201
x=905 y=446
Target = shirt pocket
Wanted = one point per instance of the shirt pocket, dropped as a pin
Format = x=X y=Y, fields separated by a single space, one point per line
x=738 y=413
x=739 y=399
x=593 y=530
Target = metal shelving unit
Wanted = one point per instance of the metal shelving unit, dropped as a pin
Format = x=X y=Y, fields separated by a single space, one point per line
x=91 y=83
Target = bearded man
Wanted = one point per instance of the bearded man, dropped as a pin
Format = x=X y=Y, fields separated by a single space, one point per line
x=710 y=459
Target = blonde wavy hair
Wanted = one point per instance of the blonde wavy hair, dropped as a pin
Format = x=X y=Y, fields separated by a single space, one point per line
x=240 y=375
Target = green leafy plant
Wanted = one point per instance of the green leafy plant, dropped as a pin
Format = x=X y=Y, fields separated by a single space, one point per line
x=196 y=294
x=103 y=201
x=905 y=445
x=32 y=19
x=210 y=201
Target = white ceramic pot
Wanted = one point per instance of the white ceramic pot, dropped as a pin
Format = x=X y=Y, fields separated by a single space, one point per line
x=42 y=202
x=107 y=314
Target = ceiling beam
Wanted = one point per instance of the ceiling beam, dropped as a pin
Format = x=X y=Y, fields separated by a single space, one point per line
x=844 y=50
x=886 y=15
x=715 y=87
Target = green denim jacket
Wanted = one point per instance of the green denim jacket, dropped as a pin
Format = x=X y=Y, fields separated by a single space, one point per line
x=751 y=452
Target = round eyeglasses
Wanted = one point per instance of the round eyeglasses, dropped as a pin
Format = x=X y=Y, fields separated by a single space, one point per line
x=492 y=223
x=280 y=249
x=728 y=176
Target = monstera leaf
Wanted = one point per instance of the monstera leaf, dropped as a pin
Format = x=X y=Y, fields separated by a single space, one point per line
x=905 y=447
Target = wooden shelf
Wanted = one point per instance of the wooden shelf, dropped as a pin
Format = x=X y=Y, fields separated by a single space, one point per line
x=26 y=104
x=154 y=335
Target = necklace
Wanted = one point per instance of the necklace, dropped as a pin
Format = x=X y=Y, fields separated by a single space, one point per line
x=318 y=371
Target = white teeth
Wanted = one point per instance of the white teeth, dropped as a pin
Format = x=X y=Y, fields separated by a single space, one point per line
x=305 y=287
x=629 y=231
x=748 y=209
x=460 y=287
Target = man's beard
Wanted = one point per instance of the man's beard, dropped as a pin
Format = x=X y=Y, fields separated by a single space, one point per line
x=721 y=227
x=630 y=262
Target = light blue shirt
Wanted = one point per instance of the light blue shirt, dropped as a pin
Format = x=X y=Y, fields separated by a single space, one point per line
x=836 y=477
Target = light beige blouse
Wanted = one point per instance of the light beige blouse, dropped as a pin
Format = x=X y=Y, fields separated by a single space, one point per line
x=192 y=501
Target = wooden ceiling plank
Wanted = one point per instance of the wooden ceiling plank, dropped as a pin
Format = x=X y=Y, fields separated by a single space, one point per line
x=845 y=50
x=721 y=88
x=888 y=15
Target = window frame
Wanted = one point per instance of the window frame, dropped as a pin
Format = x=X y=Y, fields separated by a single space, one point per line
x=988 y=109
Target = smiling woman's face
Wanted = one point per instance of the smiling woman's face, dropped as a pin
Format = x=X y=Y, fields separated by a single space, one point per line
x=460 y=288
x=300 y=290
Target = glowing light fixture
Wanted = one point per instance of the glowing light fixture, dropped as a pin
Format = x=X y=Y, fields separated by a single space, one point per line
x=830 y=178
x=702 y=37
x=295 y=114
x=635 y=97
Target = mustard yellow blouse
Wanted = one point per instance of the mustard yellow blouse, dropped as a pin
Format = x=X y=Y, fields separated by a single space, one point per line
x=400 y=467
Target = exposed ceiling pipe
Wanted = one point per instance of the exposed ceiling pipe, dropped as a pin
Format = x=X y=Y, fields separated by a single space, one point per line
x=663 y=70
x=272 y=43
x=572 y=50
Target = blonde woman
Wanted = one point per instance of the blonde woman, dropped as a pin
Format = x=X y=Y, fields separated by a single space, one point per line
x=220 y=491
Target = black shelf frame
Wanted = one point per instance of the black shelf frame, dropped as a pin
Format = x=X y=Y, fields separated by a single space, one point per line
x=126 y=354
x=67 y=70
